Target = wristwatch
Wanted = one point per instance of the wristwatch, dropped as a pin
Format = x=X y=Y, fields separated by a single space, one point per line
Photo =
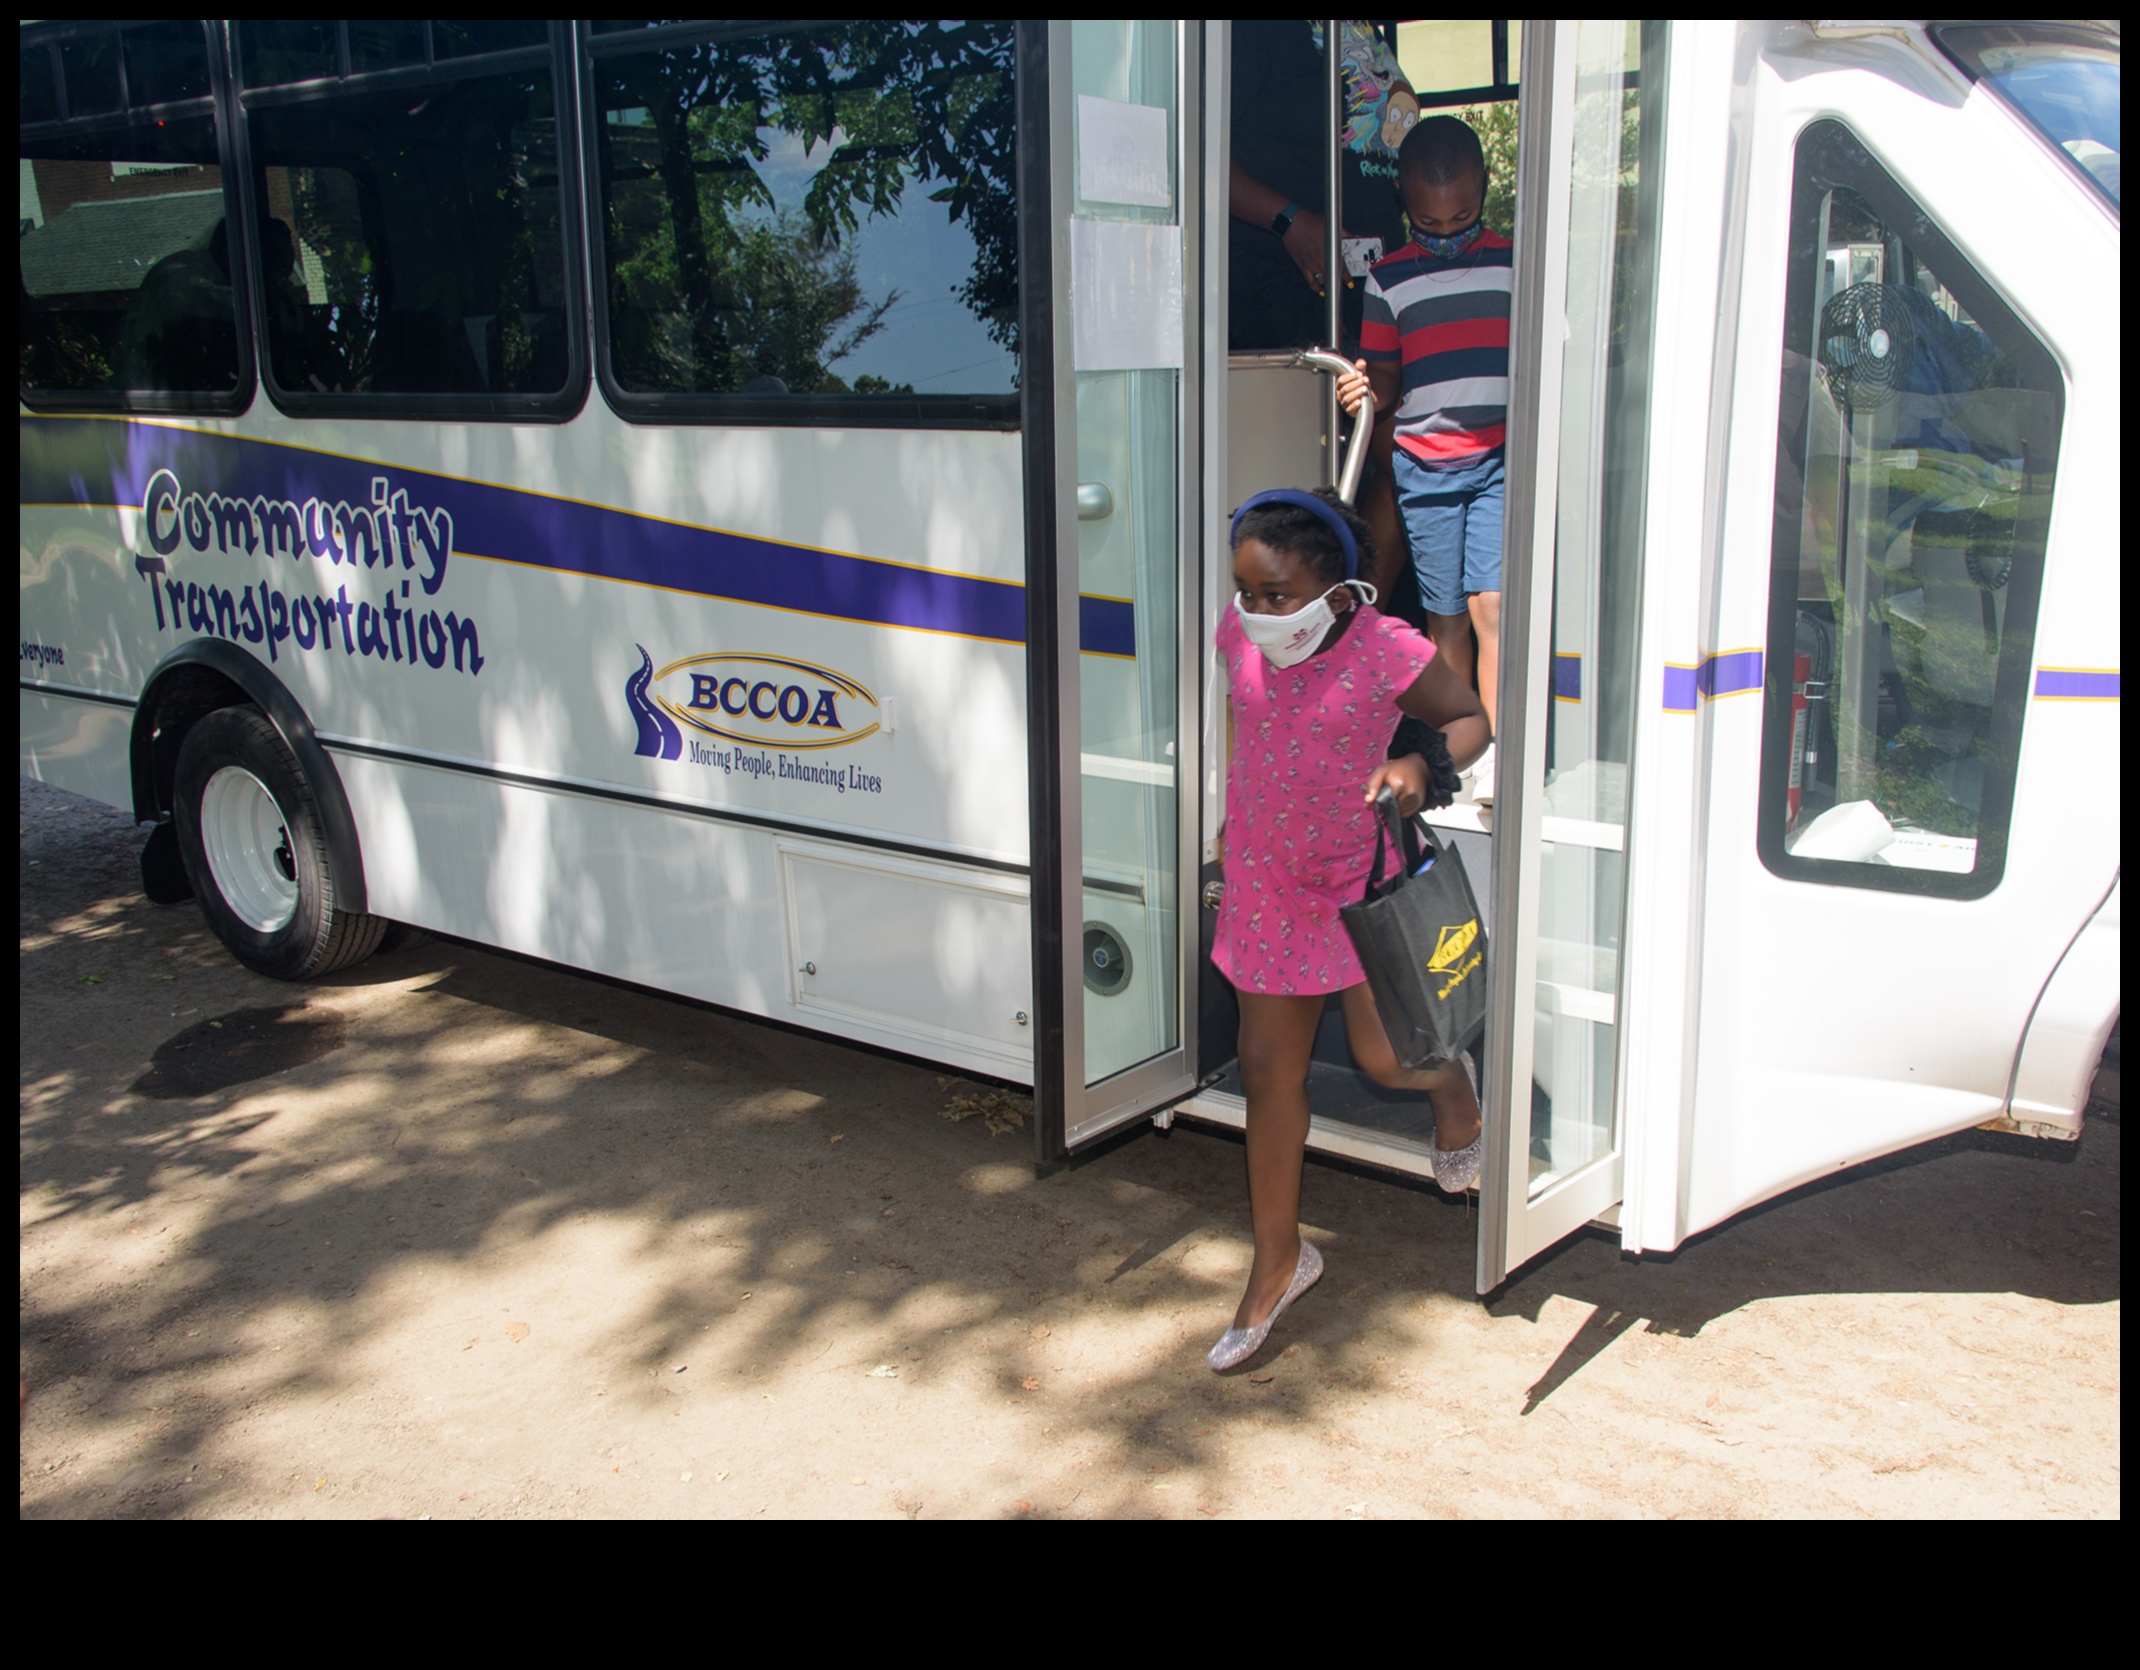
x=1282 y=221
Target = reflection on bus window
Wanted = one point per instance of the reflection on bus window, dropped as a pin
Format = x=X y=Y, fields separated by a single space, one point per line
x=125 y=261
x=2063 y=78
x=411 y=233
x=1919 y=449
x=826 y=211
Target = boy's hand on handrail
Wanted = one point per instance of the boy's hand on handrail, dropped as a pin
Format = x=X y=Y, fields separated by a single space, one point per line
x=1352 y=386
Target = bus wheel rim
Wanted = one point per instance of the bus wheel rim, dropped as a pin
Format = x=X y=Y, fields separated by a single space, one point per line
x=247 y=843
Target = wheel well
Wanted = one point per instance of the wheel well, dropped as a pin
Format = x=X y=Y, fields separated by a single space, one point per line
x=172 y=705
x=202 y=677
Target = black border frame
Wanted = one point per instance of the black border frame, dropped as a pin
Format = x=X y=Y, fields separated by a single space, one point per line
x=742 y=411
x=216 y=106
x=1828 y=155
x=559 y=407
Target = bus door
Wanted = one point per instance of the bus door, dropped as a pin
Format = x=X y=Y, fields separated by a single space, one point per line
x=1570 y=743
x=1899 y=722
x=1115 y=496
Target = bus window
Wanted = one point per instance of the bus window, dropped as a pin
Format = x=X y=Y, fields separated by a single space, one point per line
x=1917 y=455
x=411 y=220
x=816 y=225
x=126 y=295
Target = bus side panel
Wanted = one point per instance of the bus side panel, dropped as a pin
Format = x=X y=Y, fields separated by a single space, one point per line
x=521 y=641
x=819 y=627
x=909 y=954
x=76 y=745
x=79 y=600
x=2072 y=1024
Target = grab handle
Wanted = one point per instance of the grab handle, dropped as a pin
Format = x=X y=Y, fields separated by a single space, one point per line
x=1363 y=421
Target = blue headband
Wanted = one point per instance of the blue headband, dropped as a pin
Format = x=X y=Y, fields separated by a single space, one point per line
x=1310 y=503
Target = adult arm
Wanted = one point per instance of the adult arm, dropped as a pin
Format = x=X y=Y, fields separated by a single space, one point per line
x=1249 y=199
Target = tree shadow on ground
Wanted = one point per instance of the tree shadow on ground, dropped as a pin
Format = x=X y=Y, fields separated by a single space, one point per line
x=795 y=1205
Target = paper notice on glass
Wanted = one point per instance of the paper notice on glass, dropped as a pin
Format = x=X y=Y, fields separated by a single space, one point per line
x=1125 y=295
x=1122 y=152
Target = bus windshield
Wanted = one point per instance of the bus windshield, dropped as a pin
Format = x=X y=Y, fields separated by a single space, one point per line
x=2063 y=80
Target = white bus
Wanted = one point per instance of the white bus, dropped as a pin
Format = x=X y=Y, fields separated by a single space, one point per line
x=740 y=508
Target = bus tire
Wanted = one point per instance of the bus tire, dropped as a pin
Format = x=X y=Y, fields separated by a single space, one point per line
x=254 y=847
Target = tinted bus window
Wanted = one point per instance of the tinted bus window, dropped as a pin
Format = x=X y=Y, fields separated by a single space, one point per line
x=1918 y=454
x=826 y=213
x=411 y=225
x=124 y=247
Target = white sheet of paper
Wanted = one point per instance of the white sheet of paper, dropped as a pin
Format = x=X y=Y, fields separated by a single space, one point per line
x=1125 y=295
x=1359 y=254
x=1122 y=152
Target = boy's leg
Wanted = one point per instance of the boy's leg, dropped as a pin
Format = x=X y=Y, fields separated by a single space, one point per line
x=1452 y=641
x=1277 y=1038
x=1378 y=504
x=1434 y=522
x=1485 y=619
x=1482 y=587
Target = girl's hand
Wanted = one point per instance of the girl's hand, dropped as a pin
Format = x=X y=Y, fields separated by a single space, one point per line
x=1352 y=386
x=1408 y=777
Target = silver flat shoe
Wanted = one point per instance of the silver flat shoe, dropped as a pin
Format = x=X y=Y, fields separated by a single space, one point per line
x=1457 y=1169
x=1237 y=1345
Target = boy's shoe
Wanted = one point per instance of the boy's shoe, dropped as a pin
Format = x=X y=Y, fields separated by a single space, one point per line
x=1481 y=778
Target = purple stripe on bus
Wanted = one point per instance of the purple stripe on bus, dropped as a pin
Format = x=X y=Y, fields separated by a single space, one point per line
x=101 y=462
x=2087 y=684
x=1568 y=677
x=1729 y=673
x=1680 y=689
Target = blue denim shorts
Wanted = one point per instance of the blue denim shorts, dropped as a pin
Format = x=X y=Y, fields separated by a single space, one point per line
x=1452 y=517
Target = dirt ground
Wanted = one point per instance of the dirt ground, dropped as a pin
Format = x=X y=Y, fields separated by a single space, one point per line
x=457 y=1235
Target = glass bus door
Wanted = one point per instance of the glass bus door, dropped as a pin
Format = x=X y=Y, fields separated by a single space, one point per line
x=1109 y=738
x=1587 y=191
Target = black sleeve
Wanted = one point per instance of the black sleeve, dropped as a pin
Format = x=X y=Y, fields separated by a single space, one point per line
x=1416 y=736
x=1254 y=45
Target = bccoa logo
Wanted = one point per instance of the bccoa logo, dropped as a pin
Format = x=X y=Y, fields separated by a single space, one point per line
x=763 y=701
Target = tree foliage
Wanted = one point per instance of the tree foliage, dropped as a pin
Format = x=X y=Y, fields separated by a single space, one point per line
x=713 y=283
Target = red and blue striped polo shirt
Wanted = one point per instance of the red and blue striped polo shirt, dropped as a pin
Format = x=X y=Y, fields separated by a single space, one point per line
x=1447 y=323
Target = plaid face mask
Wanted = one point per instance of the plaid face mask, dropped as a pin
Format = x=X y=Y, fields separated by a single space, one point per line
x=1449 y=248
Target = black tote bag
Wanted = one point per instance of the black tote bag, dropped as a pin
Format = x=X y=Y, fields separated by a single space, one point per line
x=1419 y=939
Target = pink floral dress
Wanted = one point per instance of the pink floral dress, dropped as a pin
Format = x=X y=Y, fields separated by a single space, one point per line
x=1299 y=835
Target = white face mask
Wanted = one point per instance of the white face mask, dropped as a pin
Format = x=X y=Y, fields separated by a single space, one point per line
x=1288 y=640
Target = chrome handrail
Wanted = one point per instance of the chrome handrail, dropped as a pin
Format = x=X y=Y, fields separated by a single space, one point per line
x=1363 y=421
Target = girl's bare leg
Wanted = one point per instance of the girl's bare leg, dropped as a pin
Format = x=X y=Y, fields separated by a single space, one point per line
x=1277 y=1037
x=1456 y=1108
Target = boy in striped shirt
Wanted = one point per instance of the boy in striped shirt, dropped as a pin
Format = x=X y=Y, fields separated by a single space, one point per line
x=1434 y=346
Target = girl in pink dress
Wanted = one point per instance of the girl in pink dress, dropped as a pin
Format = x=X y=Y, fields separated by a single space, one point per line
x=1319 y=682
